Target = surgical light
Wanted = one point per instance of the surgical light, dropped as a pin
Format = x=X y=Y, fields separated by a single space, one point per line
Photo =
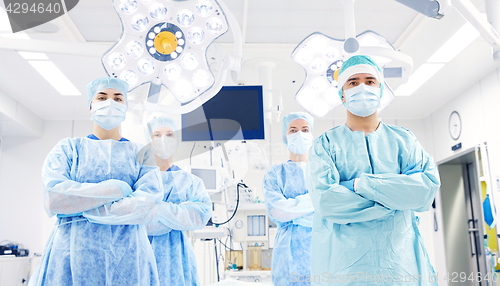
x=196 y=35
x=128 y=6
x=165 y=42
x=158 y=11
x=185 y=18
x=134 y=49
x=129 y=76
x=116 y=61
x=322 y=57
x=204 y=8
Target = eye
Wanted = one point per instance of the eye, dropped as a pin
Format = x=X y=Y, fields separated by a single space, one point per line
x=101 y=98
x=353 y=83
x=170 y=135
x=156 y=135
x=118 y=99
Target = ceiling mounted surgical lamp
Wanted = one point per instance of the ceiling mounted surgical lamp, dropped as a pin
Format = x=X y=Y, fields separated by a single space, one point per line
x=164 y=43
x=322 y=57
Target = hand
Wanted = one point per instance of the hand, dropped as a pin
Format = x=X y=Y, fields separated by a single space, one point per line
x=348 y=184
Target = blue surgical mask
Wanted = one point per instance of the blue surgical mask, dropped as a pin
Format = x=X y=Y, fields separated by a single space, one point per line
x=299 y=142
x=108 y=114
x=362 y=100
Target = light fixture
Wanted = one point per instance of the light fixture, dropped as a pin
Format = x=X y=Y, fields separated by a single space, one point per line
x=418 y=78
x=167 y=41
x=322 y=57
x=55 y=77
x=457 y=43
x=33 y=56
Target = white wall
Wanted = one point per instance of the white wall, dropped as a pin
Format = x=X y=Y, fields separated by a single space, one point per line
x=21 y=208
x=478 y=107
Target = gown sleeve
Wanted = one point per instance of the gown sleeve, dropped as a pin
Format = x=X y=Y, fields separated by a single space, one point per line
x=64 y=195
x=281 y=209
x=332 y=201
x=404 y=192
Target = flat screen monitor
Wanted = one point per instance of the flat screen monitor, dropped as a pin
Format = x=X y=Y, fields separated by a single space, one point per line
x=235 y=113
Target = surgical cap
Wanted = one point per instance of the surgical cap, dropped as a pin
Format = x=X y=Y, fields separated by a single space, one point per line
x=162 y=122
x=294 y=116
x=359 y=64
x=106 y=82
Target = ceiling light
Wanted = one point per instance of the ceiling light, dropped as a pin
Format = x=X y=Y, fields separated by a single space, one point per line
x=167 y=42
x=322 y=56
x=55 y=77
x=418 y=78
x=458 y=42
x=33 y=56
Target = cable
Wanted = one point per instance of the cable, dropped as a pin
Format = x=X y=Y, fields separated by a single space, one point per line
x=216 y=260
x=227 y=247
x=191 y=154
x=237 y=204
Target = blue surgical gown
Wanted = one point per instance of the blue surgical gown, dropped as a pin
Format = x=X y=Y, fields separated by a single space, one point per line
x=370 y=236
x=80 y=174
x=190 y=208
x=289 y=206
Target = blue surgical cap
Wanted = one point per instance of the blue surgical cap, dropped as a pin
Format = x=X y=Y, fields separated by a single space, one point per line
x=359 y=64
x=294 y=116
x=162 y=122
x=106 y=82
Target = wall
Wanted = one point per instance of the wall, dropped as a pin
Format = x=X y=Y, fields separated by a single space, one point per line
x=23 y=218
x=478 y=107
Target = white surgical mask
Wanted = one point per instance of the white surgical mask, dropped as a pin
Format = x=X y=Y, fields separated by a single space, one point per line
x=299 y=142
x=108 y=114
x=164 y=147
x=362 y=100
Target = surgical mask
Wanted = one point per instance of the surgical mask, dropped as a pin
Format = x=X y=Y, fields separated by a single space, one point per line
x=299 y=142
x=164 y=147
x=108 y=114
x=362 y=100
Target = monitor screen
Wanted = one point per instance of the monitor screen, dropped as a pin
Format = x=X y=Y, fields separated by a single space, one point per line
x=208 y=176
x=235 y=113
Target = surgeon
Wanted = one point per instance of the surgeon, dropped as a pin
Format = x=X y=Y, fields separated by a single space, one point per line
x=367 y=179
x=289 y=205
x=82 y=174
x=186 y=205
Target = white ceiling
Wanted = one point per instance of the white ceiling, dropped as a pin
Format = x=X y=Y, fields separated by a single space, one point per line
x=271 y=30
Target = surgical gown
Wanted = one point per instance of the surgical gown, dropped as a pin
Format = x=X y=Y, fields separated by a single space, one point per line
x=370 y=236
x=190 y=208
x=289 y=205
x=84 y=173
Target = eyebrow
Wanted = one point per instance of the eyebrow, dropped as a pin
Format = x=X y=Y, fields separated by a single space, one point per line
x=102 y=92
x=357 y=78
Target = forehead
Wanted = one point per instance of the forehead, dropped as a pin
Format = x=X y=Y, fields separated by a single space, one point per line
x=109 y=91
x=361 y=76
x=163 y=130
x=297 y=123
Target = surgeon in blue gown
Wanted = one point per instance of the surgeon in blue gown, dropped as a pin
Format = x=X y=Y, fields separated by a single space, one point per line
x=289 y=205
x=81 y=174
x=367 y=179
x=187 y=202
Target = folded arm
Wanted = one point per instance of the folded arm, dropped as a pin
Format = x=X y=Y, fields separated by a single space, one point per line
x=64 y=195
x=281 y=209
x=415 y=189
x=331 y=200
